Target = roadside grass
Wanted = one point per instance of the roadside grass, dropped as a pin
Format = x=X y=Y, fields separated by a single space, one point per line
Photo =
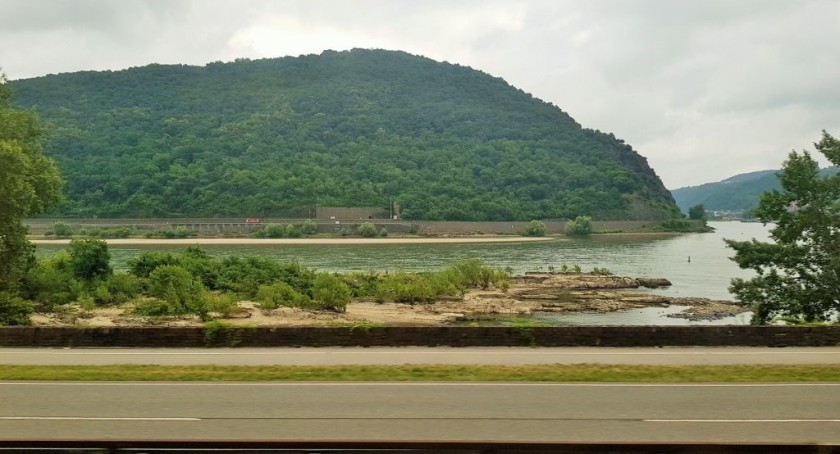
x=537 y=373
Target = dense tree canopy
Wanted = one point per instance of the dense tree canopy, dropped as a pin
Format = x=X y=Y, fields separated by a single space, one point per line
x=275 y=137
x=29 y=184
x=798 y=274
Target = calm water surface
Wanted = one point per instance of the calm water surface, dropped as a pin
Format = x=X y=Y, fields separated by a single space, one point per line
x=706 y=274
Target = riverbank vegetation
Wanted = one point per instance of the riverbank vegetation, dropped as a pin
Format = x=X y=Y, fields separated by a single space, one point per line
x=163 y=284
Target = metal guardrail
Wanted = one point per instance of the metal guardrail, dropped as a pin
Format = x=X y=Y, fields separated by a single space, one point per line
x=412 y=447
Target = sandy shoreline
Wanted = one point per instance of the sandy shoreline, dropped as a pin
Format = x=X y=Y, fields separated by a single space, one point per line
x=306 y=241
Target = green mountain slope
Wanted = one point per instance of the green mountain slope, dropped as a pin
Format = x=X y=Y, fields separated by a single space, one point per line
x=275 y=137
x=738 y=193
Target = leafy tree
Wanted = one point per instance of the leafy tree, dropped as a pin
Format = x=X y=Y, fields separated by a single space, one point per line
x=90 y=259
x=535 y=228
x=798 y=274
x=29 y=184
x=581 y=226
x=697 y=212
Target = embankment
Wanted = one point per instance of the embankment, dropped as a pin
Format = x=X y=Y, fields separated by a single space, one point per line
x=455 y=336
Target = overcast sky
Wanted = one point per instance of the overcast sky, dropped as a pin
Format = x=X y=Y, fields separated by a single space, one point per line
x=704 y=89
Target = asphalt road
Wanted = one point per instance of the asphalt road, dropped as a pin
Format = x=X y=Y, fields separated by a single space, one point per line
x=422 y=355
x=723 y=413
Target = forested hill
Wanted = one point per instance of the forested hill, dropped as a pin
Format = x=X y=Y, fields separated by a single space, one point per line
x=738 y=193
x=275 y=137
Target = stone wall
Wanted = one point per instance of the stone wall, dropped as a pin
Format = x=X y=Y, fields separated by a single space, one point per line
x=456 y=336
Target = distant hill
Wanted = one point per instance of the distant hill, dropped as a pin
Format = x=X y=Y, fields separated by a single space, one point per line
x=277 y=137
x=738 y=193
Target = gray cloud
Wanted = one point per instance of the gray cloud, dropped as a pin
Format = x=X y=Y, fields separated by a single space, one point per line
x=705 y=89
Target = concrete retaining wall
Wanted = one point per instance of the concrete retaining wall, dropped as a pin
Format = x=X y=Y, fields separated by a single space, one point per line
x=456 y=336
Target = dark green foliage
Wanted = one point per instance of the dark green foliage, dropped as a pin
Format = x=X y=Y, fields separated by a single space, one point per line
x=114 y=232
x=452 y=281
x=121 y=287
x=581 y=226
x=51 y=282
x=14 y=310
x=62 y=230
x=280 y=294
x=275 y=137
x=309 y=227
x=29 y=185
x=798 y=274
x=676 y=225
x=90 y=259
x=330 y=293
x=697 y=212
x=182 y=293
x=367 y=230
x=272 y=231
x=535 y=228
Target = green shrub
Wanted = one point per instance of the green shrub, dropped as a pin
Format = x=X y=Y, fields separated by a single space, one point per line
x=330 y=293
x=14 y=310
x=147 y=262
x=309 y=227
x=676 y=225
x=535 y=228
x=272 y=231
x=62 y=230
x=123 y=287
x=280 y=294
x=475 y=273
x=581 y=226
x=223 y=304
x=410 y=288
x=179 y=289
x=362 y=284
x=154 y=307
x=367 y=230
x=51 y=283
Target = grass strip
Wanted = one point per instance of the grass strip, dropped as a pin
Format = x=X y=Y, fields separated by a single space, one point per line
x=537 y=373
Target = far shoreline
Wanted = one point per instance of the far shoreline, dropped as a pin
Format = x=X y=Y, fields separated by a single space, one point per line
x=303 y=241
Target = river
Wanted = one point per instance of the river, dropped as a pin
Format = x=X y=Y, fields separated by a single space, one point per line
x=697 y=264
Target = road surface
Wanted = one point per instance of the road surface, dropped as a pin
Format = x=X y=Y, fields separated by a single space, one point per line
x=422 y=355
x=722 y=413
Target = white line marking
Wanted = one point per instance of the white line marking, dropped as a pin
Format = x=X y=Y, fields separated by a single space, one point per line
x=81 y=418
x=742 y=420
